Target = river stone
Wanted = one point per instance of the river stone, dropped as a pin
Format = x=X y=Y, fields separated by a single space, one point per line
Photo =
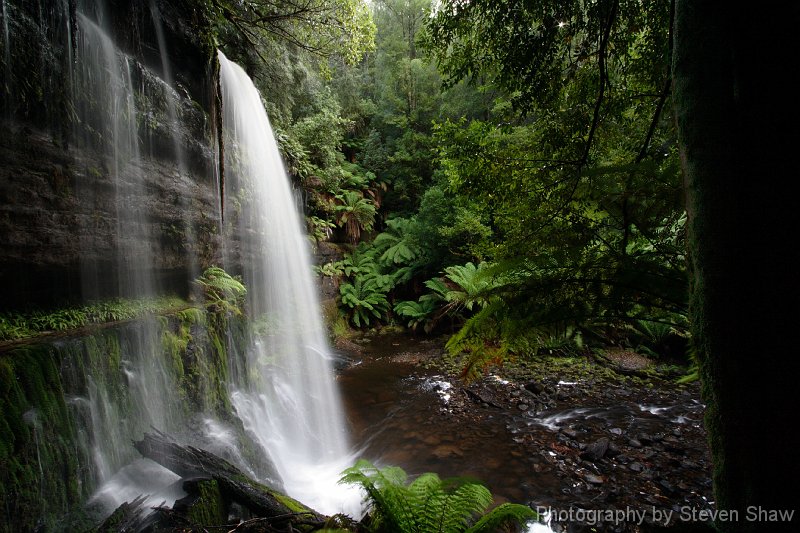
x=633 y=443
x=569 y=432
x=523 y=406
x=533 y=387
x=596 y=450
x=612 y=451
x=594 y=480
x=636 y=467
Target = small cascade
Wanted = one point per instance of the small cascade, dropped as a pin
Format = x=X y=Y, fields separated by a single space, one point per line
x=179 y=154
x=115 y=409
x=109 y=123
x=128 y=387
x=286 y=397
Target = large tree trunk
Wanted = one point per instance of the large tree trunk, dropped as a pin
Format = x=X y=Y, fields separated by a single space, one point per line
x=736 y=106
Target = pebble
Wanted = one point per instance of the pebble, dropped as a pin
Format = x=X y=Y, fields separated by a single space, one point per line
x=569 y=432
x=594 y=480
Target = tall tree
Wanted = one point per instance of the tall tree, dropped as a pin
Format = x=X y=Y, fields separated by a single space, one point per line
x=323 y=27
x=737 y=121
x=582 y=185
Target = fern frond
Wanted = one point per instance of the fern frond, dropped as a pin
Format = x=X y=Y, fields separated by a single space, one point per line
x=507 y=513
x=428 y=504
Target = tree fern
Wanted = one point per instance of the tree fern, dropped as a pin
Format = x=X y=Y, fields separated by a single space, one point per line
x=396 y=245
x=429 y=504
x=355 y=213
x=473 y=282
x=416 y=313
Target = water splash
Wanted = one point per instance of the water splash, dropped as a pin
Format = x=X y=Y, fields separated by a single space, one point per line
x=288 y=400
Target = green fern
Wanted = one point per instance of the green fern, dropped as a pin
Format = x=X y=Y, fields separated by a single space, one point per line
x=473 y=282
x=429 y=504
x=507 y=513
x=17 y=325
x=396 y=245
x=364 y=299
x=221 y=290
x=355 y=213
x=417 y=313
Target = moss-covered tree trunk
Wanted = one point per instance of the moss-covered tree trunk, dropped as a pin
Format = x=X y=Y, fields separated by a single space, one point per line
x=737 y=109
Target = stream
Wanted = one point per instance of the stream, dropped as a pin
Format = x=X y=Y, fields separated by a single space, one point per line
x=591 y=445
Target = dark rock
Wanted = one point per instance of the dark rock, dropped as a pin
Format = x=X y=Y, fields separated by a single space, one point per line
x=523 y=406
x=633 y=443
x=596 y=450
x=636 y=467
x=664 y=484
x=615 y=431
x=534 y=387
x=569 y=432
x=187 y=461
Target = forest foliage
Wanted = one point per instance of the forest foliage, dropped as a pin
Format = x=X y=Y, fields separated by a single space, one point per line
x=505 y=171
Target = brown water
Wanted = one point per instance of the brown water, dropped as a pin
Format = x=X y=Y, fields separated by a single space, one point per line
x=399 y=416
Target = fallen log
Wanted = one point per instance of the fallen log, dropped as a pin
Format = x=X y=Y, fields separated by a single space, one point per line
x=235 y=486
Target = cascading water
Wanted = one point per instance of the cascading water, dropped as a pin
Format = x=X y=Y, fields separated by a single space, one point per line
x=126 y=171
x=174 y=126
x=118 y=408
x=289 y=403
x=111 y=117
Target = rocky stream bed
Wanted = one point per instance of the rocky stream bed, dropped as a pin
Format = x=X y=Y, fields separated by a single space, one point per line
x=606 y=443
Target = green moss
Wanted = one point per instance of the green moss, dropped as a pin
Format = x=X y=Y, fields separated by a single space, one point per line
x=291 y=503
x=209 y=508
x=37 y=436
x=40 y=451
x=14 y=326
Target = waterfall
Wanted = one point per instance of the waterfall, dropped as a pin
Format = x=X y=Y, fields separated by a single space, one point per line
x=135 y=202
x=111 y=118
x=140 y=392
x=288 y=400
x=172 y=100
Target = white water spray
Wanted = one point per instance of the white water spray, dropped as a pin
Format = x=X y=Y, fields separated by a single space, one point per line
x=290 y=403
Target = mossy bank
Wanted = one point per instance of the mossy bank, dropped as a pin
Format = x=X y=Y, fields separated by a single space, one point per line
x=56 y=395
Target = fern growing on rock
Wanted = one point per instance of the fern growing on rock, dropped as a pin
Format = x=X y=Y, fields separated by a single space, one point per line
x=221 y=290
x=429 y=504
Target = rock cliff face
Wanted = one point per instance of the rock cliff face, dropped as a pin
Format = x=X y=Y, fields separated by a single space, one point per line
x=110 y=185
x=80 y=210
